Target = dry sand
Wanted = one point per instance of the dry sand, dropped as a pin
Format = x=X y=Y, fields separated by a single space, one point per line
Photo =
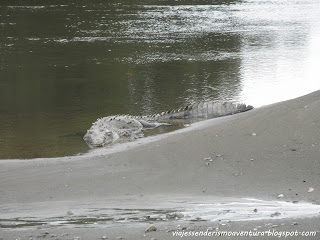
x=259 y=154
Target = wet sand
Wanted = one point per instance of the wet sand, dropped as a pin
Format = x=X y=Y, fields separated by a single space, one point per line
x=270 y=153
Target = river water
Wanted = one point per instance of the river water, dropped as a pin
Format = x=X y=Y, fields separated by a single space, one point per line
x=65 y=63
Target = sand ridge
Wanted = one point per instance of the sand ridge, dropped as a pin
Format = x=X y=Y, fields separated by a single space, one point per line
x=268 y=153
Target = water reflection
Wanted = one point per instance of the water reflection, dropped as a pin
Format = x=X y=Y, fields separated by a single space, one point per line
x=62 y=65
x=280 y=64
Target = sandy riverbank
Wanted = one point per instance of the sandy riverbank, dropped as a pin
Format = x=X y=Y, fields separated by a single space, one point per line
x=259 y=154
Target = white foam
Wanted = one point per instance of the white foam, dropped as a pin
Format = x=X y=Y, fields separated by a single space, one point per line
x=130 y=209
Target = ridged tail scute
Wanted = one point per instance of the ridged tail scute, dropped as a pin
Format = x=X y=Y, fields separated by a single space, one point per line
x=204 y=110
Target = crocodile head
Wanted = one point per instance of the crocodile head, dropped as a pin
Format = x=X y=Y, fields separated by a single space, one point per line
x=99 y=138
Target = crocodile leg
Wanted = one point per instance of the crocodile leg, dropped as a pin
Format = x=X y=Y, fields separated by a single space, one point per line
x=146 y=124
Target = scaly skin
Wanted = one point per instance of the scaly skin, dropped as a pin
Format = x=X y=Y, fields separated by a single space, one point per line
x=110 y=129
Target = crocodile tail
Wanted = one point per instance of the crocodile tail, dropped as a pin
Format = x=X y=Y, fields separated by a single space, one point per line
x=204 y=110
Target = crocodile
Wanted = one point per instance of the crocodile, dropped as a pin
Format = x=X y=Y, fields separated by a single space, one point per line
x=115 y=128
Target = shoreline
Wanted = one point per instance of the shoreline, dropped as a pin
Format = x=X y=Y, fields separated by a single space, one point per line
x=123 y=146
x=264 y=153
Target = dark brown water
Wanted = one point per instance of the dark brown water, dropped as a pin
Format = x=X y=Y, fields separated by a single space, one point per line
x=65 y=63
